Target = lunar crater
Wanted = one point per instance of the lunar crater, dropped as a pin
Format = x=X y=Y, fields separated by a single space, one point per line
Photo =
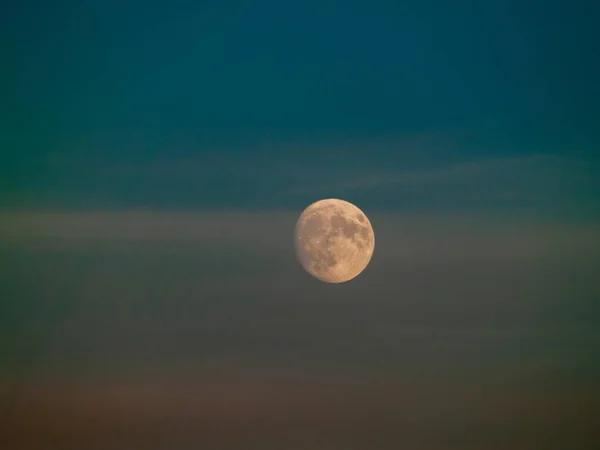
x=334 y=240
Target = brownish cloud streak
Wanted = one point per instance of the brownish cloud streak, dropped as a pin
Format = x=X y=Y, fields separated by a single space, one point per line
x=228 y=410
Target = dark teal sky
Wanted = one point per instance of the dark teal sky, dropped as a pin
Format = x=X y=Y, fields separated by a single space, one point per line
x=227 y=105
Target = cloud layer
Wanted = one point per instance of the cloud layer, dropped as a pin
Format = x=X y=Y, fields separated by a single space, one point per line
x=187 y=329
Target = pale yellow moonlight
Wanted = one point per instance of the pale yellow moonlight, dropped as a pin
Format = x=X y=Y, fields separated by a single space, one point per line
x=334 y=240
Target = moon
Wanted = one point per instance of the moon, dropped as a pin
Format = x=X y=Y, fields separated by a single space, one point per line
x=334 y=240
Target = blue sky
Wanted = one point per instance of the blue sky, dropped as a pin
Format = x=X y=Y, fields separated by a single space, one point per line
x=292 y=93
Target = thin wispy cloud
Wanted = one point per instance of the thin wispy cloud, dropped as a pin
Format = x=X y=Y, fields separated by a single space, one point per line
x=465 y=170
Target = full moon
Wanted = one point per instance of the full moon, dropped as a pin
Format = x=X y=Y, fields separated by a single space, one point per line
x=334 y=240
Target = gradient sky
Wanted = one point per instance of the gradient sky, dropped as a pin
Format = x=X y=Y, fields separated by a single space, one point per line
x=191 y=105
x=154 y=157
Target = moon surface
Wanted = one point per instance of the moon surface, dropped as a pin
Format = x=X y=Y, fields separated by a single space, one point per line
x=334 y=240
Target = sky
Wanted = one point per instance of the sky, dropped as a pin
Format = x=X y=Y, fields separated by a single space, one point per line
x=155 y=105
x=155 y=156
